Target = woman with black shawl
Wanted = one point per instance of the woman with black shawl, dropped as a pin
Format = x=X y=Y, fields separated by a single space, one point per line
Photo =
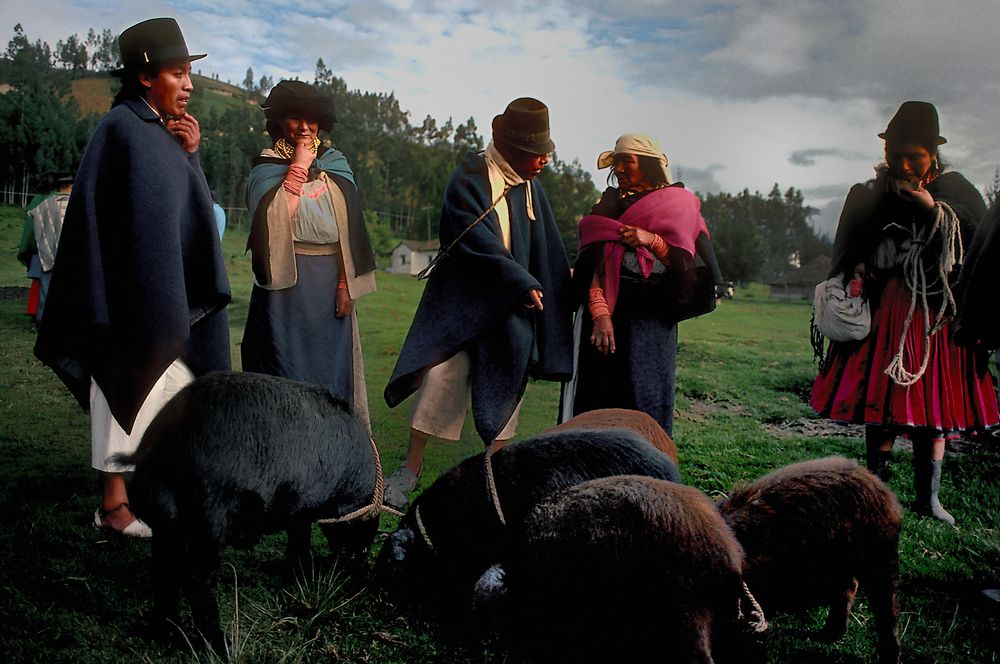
x=635 y=245
x=311 y=254
x=902 y=234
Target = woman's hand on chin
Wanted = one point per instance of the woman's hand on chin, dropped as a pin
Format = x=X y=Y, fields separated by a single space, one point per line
x=303 y=155
x=917 y=195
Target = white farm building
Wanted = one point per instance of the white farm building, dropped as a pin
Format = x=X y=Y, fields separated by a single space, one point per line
x=412 y=256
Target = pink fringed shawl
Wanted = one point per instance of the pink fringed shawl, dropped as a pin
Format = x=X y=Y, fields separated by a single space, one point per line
x=672 y=213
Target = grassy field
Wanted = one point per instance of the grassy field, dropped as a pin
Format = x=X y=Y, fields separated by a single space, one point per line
x=74 y=595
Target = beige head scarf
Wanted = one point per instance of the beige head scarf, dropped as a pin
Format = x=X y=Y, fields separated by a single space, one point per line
x=638 y=144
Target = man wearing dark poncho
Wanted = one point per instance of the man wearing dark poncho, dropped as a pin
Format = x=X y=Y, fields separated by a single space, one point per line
x=136 y=306
x=482 y=326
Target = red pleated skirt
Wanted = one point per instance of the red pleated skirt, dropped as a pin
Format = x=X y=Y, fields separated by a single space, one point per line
x=33 y=293
x=956 y=393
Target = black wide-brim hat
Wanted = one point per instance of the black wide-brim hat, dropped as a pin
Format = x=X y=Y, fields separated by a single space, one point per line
x=525 y=125
x=56 y=178
x=291 y=96
x=915 y=121
x=152 y=42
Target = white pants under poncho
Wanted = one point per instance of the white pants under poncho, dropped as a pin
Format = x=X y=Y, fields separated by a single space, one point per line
x=439 y=406
x=107 y=437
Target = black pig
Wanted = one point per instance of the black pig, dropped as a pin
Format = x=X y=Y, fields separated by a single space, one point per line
x=233 y=456
x=453 y=532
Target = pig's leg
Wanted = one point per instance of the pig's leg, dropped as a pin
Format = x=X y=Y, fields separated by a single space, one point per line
x=168 y=565
x=298 y=549
x=696 y=630
x=881 y=584
x=205 y=557
x=838 y=618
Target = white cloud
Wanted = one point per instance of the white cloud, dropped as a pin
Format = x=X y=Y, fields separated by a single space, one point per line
x=733 y=89
x=768 y=45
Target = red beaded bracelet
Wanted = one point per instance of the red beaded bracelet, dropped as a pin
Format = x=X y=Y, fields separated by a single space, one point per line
x=294 y=179
x=659 y=247
x=598 y=306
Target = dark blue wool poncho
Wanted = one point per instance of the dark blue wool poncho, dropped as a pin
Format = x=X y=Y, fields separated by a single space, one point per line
x=139 y=278
x=474 y=301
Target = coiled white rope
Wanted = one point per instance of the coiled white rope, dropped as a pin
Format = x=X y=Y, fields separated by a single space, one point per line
x=915 y=276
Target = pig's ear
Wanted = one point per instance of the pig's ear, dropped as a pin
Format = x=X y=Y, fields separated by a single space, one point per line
x=401 y=544
x=490 y=594
x=492 y=582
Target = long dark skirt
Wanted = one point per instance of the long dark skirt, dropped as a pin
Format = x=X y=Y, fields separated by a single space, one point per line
x=294 y=332
x=640 y=374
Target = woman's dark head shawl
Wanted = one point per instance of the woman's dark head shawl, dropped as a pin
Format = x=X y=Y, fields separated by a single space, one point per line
x=291 y=96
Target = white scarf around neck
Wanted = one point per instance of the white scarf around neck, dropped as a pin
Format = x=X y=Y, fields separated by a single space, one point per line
x=501 y=175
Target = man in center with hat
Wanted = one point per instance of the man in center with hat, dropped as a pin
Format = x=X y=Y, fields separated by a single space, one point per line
x=136 y=308
x=495 y=309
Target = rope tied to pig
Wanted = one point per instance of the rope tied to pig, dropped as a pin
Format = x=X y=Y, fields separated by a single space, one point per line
x=443 y=251
x=491 y=486
x=377 y=504
x=422 y=528
x=756 y=619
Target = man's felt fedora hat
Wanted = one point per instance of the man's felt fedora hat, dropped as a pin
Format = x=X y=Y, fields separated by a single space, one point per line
x=152 y=42
x=525 y=125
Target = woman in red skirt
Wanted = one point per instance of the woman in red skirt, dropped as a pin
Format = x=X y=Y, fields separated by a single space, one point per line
x=902 y=234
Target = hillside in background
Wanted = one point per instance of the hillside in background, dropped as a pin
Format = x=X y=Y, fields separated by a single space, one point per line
x=52 y=99
x=93 y=93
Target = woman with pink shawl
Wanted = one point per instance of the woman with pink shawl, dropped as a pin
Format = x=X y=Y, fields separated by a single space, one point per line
x=632 y=246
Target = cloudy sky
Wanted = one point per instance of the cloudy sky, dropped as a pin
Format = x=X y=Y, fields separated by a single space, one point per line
x=740 y=93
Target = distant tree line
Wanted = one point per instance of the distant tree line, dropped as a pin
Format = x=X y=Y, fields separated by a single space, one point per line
x=760 y=237
x=260 y=88
x=401 y=168
x=41 y=127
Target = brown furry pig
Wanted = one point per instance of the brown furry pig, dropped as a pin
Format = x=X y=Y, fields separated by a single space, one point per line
x=811 y=532
x=619 y=569
x=623 y=418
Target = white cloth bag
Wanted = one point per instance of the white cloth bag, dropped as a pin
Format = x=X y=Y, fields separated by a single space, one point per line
x=839 y=316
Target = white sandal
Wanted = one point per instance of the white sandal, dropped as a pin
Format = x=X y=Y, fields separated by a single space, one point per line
x=137 y=528
x=400 y=483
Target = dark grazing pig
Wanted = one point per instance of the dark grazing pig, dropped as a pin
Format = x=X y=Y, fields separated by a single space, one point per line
x=811 y=531
x=236 y=455
x=624 y=418
x=453 y=532
x=620 y=569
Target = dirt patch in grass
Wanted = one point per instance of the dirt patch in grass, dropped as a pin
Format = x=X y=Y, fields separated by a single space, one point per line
x=13 y=293
x=815 y=427
x=700 y=411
